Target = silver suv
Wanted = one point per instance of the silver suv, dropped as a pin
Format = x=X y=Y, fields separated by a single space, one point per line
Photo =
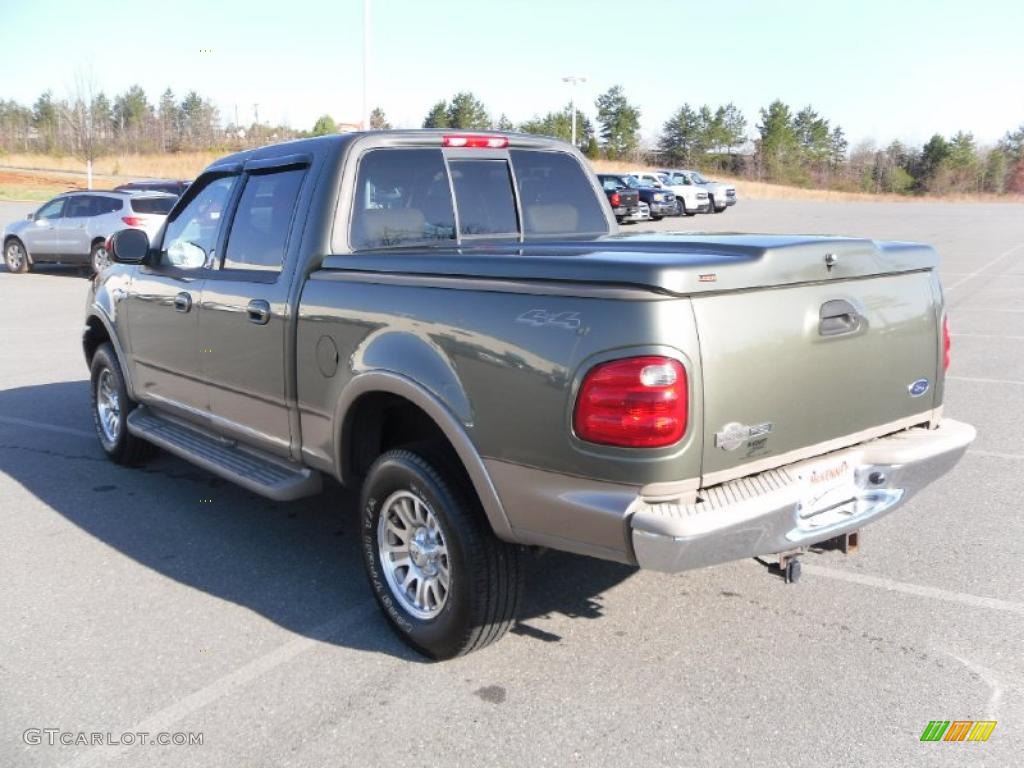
x=73 y=228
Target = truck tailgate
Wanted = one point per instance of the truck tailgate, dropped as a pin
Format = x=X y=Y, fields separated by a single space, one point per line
x=795 y=370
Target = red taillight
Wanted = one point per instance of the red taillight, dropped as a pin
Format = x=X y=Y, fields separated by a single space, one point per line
x=133 y=221
x=615 y=199
x=639 y=402
x=475 y=142
x=946 y=343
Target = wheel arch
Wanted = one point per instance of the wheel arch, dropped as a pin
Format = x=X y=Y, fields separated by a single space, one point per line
x=28 y=253
x=361 y=433
x=97 y=331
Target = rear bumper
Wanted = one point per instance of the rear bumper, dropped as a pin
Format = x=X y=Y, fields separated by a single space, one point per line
x=762 y=514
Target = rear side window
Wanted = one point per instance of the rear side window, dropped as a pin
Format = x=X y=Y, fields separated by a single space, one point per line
x=80 y=206
x=483 y=196
x=259 y=231
x=159 y=205
x=402 y=198
x=108 y=204
x=556 y=195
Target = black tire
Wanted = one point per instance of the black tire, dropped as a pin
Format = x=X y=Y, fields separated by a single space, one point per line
x=656 y=218
x=485 y=575
x=123 y=447
x=16 y=257
x=681 y=207
x=98 y=257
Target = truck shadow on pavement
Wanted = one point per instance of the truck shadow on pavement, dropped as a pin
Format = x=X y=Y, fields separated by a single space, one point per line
x=297 y=564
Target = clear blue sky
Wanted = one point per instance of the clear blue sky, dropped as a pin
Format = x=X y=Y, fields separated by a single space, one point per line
x=882 y=69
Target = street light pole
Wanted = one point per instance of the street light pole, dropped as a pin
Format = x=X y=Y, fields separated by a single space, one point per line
x=573 y=80
x=366 y=64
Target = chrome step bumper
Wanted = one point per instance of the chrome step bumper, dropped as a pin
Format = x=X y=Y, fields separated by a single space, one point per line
x=766 y=513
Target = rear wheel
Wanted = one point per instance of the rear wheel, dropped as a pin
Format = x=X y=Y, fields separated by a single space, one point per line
x=99 y=258
x=15 y=256
x=446 y=583
x=110 y=408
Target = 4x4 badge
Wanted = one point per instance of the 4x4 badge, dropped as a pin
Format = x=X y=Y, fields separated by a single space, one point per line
x=733 y=434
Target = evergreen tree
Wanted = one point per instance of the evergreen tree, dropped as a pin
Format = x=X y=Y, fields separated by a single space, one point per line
x=620 y=123
x=437 y=117
x=378 y=120
x=680 y=136
x=467 y=112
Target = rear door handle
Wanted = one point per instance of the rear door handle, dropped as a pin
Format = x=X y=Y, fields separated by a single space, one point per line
x=183 y=302
x=839 y=317
x=259 y=311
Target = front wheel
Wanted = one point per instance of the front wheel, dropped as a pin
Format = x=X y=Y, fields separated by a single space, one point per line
x=681 y=207
x=110 y=408
x=446 y=583
x=15 y=256
x=99 y=258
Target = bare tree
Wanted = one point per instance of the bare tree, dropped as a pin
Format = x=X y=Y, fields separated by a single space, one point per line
x=77 y=113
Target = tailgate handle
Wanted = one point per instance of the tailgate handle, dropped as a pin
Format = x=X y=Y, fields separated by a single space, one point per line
x=839 y=317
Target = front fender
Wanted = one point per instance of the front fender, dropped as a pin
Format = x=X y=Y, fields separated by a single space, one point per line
x=102 y=306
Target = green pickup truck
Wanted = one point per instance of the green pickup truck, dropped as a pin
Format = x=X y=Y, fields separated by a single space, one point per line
x=451 y=322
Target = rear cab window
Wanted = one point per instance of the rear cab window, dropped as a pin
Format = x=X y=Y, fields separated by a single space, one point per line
x=414 y=196
x=156 y=205
x=403 y=197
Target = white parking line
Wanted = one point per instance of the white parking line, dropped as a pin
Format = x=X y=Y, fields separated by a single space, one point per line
x=995 y=454
x=983 y=267
x=978 y=380
x=165 y=719
x=973 y=601
x=987 y=336
x=47 y=427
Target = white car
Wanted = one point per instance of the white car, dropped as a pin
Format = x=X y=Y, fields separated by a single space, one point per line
x=720 y=194
x=690 y=198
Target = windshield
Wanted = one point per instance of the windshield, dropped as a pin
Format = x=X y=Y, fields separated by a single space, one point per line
x=698 y=178
x=632 y=182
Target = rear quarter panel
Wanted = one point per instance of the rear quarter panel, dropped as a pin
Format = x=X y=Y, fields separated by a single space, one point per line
x=506 y=364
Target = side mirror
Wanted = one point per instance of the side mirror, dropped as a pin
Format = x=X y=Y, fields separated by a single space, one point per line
x=129 y=246
x=31 y=216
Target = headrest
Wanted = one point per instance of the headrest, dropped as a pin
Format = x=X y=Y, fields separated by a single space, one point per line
x=551 y=218
x=387 y=226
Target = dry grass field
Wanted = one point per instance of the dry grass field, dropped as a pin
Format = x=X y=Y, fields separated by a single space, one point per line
x=59 y=174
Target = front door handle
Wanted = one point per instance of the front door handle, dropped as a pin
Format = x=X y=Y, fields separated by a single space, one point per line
x=183 y=302
x=259 y=311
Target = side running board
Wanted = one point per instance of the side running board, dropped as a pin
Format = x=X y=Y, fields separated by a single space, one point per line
x=254 y=470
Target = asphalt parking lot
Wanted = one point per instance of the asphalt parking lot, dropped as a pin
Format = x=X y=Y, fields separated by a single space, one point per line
x=165 y=600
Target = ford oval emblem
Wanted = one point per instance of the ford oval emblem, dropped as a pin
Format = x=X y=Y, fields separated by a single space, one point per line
x=918 y=387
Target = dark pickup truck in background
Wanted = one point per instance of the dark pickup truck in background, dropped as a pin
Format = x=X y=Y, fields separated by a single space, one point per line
x=661 y=202
x=452 y=323
x=625 y=201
